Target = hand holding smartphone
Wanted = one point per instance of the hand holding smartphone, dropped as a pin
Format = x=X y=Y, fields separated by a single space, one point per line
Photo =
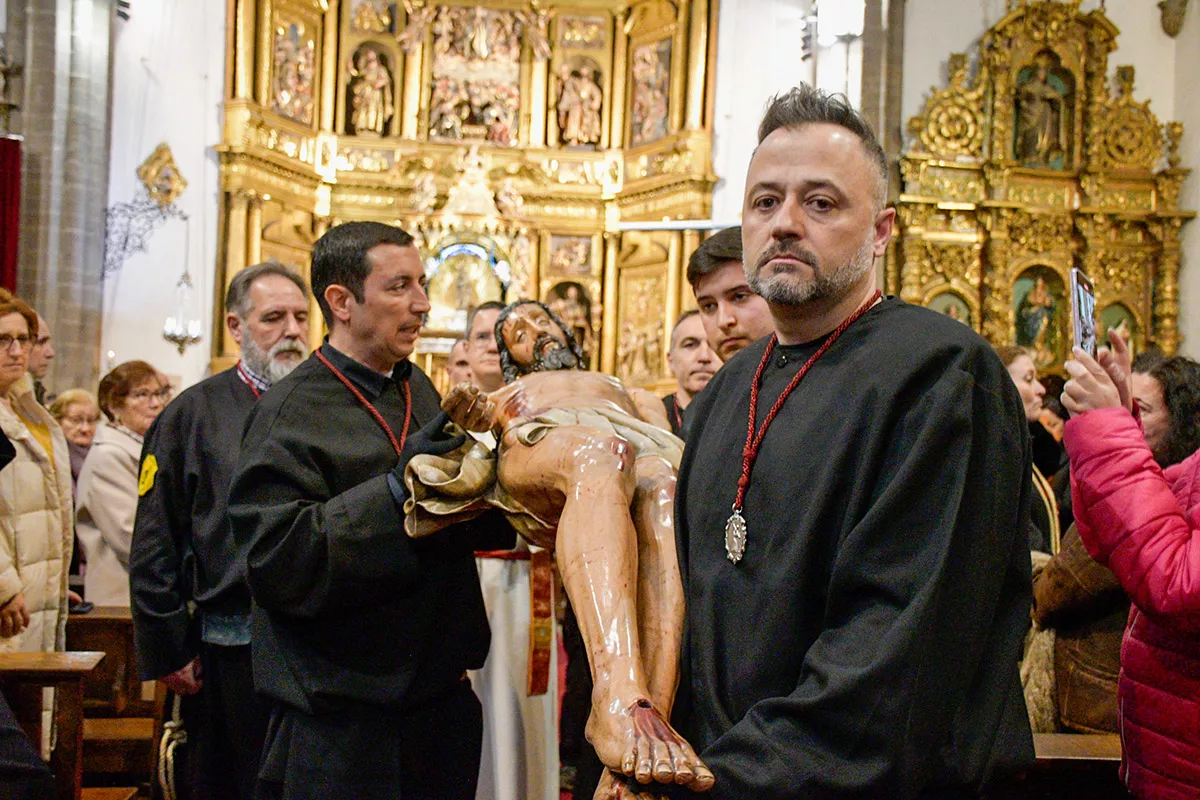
x=1083 y=312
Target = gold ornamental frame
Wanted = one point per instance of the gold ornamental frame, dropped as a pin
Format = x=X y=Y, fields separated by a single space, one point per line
x=1032 y=167
x=508 y=122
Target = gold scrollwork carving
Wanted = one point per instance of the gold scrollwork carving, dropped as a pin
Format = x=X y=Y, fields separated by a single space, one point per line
x=953 y=122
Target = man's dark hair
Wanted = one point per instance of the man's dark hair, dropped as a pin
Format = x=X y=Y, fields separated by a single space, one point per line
x=715 y=252
x=510 y=368
x=340 y=257
x=490 y=305
x=684 y=316
x=237 y=296
x=804 y=105
x=1179 y=379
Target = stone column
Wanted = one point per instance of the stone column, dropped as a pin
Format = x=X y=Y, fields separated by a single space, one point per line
x=65 y=49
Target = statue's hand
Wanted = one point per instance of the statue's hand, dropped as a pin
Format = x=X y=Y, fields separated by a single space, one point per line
x=470 y=408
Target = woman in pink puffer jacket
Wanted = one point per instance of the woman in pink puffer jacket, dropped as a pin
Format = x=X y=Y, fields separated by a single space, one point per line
x=1143 y=523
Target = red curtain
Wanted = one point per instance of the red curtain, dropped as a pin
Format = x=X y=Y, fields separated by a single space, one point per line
x=10 y=210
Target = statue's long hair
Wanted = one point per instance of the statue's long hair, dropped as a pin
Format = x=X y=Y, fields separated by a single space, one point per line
x=510 y=368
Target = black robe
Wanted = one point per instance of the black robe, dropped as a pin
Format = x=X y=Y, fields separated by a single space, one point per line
x=183 y=549
x=347 y=608
x=867 y=643
x=674 y=414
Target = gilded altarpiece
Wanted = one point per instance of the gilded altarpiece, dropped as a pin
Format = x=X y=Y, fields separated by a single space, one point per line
x=513 y=139
x=1039 y=162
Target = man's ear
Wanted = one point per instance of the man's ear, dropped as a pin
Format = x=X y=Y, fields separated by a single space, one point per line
x=339 y=298
x=236 y=327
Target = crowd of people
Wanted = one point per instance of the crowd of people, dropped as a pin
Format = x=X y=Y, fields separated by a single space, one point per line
x=897 y=550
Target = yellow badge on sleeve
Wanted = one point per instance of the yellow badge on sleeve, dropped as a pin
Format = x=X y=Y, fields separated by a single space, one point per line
x=149 y=470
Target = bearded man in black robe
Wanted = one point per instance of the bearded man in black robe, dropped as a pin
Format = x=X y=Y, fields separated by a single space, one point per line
x=851 y=545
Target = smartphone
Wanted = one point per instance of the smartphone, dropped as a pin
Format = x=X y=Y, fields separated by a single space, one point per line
x=1083 y=312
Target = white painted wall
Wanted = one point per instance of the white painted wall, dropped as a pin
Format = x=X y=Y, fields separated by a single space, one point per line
x=1188 y=112
x=758 y=56
x=168 y=84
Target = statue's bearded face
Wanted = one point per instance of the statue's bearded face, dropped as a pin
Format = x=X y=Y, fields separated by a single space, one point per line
x=536 y=342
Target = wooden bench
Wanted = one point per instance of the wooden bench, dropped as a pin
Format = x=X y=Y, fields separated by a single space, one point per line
x=109 y=793
x=115 y=688
x=1075 y=766
x=22 y=676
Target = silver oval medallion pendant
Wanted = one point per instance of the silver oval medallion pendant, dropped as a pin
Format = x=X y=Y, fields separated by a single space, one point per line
x=735 y=536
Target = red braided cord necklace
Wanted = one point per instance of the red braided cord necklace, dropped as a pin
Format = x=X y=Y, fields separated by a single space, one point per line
x=398 y=445
x=735 y=528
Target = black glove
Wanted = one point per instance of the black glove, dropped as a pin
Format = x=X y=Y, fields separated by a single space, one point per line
x=431 y=439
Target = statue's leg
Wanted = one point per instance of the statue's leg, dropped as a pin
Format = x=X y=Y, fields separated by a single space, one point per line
x=593 y=477
x=660 y=591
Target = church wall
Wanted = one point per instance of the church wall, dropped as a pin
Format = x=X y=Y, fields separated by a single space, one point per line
x=758 y=55
x=1188 y=112
x=168 y=79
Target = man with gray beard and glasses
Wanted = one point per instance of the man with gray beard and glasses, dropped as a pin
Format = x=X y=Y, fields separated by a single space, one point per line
x=183 y=551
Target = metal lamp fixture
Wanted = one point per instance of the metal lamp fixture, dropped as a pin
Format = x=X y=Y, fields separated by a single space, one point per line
x=183 y=328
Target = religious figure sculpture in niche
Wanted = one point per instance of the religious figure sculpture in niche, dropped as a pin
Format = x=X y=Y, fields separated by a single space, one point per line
x=371 y=16
x=371 y=106
x=579 y=101
x=471 y=194
x=651 y=91
x=571 y=304
x=1035 y=321
x=587 y=467
x=1041 y=124
x=292 y=79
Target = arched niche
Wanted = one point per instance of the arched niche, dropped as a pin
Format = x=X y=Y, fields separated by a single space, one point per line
x=954 y=306
x=1041 y=314
x=1120 y=318
x=461 y=273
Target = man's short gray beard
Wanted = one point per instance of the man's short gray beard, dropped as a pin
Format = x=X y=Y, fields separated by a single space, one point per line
x=265 y=364
x=823 y=286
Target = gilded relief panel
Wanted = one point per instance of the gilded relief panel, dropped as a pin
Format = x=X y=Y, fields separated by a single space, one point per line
x=294 y=69
x=476 y=75
x=640 y=343
x=1054 y=168
x=650 y=97
x=372 y=16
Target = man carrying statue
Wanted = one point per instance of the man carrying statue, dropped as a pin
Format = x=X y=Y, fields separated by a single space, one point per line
x=587 y=467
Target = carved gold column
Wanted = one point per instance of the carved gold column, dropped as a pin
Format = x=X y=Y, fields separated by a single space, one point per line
x=410 y=112
x=254 y=228
x=538 y=72
x=329 y=69
x=608 y=341
x=675 y=260
x=1166 y=287
x=619 y=69
x=243 y=43
x=316 y=322
x=235 y=260
x=697 y=81
x=691 y=240
x=679 y=71
x=996 y=323
x=263 y=74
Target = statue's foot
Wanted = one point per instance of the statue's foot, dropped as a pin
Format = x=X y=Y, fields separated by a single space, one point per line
x=639 y=743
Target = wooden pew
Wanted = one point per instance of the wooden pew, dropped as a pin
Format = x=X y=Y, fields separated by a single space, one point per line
x=120 y=725
x=22 y=677
x=1075 y=766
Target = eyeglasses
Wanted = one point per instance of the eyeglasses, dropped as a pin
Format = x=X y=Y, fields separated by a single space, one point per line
x=7 y=339
x=82 y=420
x=142 y=395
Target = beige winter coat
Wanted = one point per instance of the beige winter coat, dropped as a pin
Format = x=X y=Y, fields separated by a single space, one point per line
x=106 y=504
x=35 y=526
